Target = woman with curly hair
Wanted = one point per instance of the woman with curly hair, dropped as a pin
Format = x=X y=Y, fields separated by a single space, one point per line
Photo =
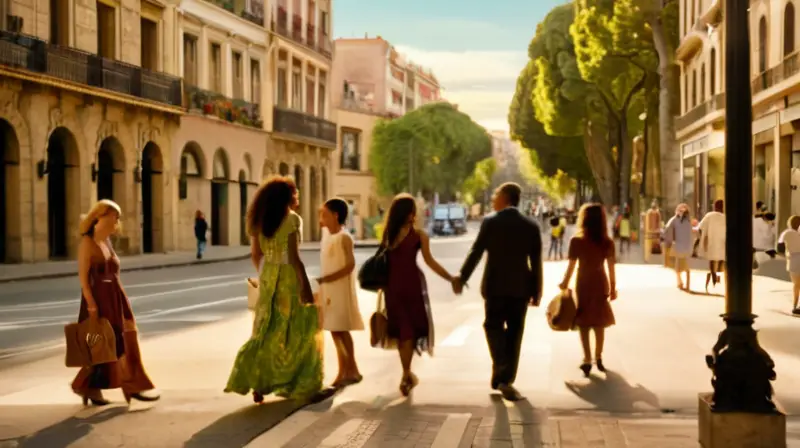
x=284 y=353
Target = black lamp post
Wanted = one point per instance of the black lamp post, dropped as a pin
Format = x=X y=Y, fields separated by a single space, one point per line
x=742 y=369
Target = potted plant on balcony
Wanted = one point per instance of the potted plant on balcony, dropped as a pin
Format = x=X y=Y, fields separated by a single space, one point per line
x=208 y=108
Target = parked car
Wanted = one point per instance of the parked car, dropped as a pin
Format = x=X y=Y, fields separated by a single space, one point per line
x=449 y=219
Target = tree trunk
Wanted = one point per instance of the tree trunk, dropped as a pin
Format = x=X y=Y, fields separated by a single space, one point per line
x=625 y=152
x=668 y=85
x=601 y=163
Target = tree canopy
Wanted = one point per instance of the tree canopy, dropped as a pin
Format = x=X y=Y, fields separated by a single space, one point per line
x=593 y=70
x=432 y=149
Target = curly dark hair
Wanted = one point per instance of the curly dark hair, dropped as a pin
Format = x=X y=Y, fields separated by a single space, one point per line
x=270 y=206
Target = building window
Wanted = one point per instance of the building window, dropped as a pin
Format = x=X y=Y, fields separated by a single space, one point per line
x=238 y=75
x=694 y=8
x=255 y=81
x=149 y=44
x=310 y=94
x=685 y=92
x=694 y=88
x=762 y=45
x=788 y=30
x=322 y=93
x=283 y=99
x=190 y=59
x=702 y=83
x=351 y=154
x=297 y=87
x=106 y=31
x=713 y=72
x=59 y=22
x=215 y=70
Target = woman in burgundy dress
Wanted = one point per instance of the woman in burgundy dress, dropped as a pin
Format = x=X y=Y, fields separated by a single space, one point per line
x=407 y=305
x=102 y=296
x=591 y=248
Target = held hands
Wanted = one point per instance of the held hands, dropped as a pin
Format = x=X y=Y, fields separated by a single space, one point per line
x=457 y=285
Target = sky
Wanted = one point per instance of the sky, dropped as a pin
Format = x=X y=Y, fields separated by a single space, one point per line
x=476 y=49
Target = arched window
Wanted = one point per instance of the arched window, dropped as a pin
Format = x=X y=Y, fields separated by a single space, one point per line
x=788 y=29
x=762 y=45
x=694 y=9
x=713 y=72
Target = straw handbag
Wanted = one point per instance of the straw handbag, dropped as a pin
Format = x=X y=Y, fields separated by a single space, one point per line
x=561 y=311
x=90 y=342
x=252 y=293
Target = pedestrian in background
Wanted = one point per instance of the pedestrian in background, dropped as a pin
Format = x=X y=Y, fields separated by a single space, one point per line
x=592 y=250
x=102 y=296
x=337 y=296
x=556 y=235
x=200 y=232
x=407 y=306
x=763 y=238
x=652 y=231
x=790 y=240
x=624 y=232
x=712 y=234
x=284 y=353
x=678 y=236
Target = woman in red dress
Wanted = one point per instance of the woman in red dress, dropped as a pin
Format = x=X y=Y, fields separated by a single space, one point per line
x=102 y=296
x=407 y=306
x=591 y=249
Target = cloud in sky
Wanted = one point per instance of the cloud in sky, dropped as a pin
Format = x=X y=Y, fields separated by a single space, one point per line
x=482 y=83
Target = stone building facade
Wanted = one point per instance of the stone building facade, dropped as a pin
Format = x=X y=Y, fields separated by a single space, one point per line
x=84 y=116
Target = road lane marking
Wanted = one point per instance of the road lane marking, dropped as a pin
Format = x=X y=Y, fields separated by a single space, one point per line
x=183 y=281
x=73 y=302
x=143 y=318
x=286 y=430
x=452 y=431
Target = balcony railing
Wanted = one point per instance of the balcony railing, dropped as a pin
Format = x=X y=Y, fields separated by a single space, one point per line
x=322 y=45
x=255 y=14
x=297 y=123
x=714 y=104
x=35 y=55
x=789 y=67
x=217 y=105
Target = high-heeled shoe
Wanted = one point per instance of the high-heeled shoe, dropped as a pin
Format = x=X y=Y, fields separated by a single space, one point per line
x=408 y=383
x=95 y=401
x=587 y=368
x=258 y=397
x=140 y=397
x=600 y=365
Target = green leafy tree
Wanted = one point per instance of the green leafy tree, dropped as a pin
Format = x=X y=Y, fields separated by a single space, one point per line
x=431 y=149
x=479 y=181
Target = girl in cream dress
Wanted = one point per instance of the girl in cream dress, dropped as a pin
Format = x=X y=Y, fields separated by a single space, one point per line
x=337 y=296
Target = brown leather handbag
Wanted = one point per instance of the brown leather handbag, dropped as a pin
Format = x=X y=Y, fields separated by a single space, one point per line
x=379 y=326
x=90 y=342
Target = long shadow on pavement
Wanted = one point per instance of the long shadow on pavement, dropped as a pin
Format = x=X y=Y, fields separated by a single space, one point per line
x=68 y=431
x=241 y=427
x=613 y=393
x=530 y=424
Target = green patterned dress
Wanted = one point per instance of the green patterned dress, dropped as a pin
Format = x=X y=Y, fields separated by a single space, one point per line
x=284 y=353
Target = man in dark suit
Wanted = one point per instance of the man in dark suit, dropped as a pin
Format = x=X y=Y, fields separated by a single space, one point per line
x=512 y=280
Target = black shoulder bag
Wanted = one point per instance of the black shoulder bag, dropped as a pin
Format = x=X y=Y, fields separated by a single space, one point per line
x=374 y=273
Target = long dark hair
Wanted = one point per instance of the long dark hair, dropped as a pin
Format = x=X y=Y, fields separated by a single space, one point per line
x=403 y=206
x=592 y=223
x=270 y=206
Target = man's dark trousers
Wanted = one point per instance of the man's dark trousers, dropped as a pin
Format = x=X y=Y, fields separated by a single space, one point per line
x=504 y=325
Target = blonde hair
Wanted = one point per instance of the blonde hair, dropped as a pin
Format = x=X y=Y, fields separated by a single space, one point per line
x=98 y=210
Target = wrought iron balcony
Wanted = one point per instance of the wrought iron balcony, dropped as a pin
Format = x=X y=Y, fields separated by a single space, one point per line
x=254 y=14
x=322 y=45
x=789 y=67
x=35 y=55
x=696 y=114
x=217 y=105
x=292 y=122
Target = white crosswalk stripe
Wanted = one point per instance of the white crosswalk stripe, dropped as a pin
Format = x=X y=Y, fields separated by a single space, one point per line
x=452 y=431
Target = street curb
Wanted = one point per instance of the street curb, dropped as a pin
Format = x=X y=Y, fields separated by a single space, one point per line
x=131 y=269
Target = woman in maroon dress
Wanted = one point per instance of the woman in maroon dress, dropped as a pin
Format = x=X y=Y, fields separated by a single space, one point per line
x=591 y=248
x=102 y=296
x=407 y=305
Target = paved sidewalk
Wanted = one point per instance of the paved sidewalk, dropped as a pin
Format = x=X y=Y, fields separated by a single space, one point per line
x=213 y=254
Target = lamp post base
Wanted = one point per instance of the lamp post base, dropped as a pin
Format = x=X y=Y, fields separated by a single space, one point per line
x=739 y=429
x=742 y=370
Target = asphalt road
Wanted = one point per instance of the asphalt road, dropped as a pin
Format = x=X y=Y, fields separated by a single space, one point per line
x=33 y=313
